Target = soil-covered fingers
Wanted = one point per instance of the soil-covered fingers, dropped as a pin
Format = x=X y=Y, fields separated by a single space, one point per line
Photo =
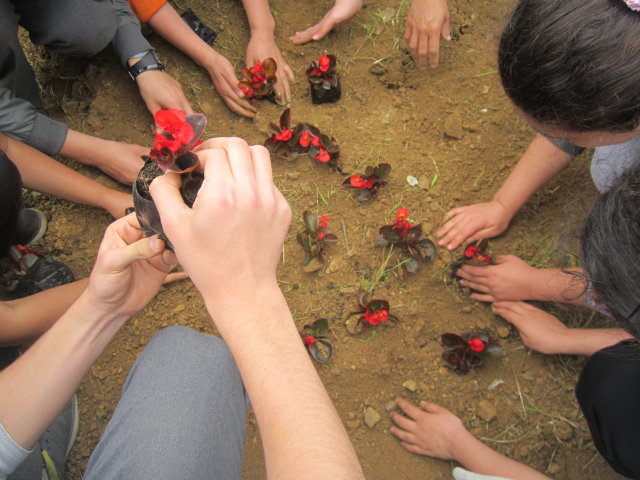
x=403 y=435
x=462 y=230
x=403 y=422
x=227 y=86
x=434 y=47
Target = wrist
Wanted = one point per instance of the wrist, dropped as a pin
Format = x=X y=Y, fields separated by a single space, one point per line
x=264 y=30
x=98 y=318
x=461 y=443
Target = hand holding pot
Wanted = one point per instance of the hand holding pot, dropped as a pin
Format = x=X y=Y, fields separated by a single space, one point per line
x=231 y=240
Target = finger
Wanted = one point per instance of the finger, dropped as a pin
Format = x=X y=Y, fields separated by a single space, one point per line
x=463 y=232
x=305 y=36
x=432 y=407
x=413 y=448
x=165 y=192
x=434 y=48
x=407 y=33
x=457 y=234
x=240 y=161
x=475 y=286
x=174 y=277
x=423 y=49
x=446 y=31
x=483 y=297
x=478 y=272
x=403 y=435
x=289 y=71
x=120 y=258
x=285 y=85
x=186 y=106
x=324 y=26
x=413 y=45
x=262 y=168
x=403 y=422
x=447 y=227
x=456 y=211
x=408 y=408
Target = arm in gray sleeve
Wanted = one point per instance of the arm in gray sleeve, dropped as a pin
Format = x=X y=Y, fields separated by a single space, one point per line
x=21 y=121
x=566 y=146
x=128 y=40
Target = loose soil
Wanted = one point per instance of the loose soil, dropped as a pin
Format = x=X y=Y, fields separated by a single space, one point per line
x=391 y=112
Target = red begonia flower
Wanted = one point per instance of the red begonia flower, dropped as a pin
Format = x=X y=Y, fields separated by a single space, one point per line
x=257 y=68
x=162 y=141
x=285 y=136
x=247 y=91
x=323 y=221
x=305 y=139
x=377 y=317
x=315 y=141
x=476 y=345
x=484 y=259
x=402 y=213
x=324 y=63
x=309 y=341
x=259 y=78
x=170 y=119
x=320 y=235
x=358 y=182
x=323 y=156
x=471 y=251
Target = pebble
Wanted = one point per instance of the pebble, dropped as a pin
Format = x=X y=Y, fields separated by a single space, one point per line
x=378 y=207
x=434 y=206
x=336 y=264
x=564 y=431
x=423 y=387
x=503 y=332
x=335 y=371
x=466 y=309
x=554 y=468
x=410 y=385
x=486 y=410
x=390 y=405
x=446 y=256
x=313 y=266
x=371 y=417
x=453 y=126
x=423 y=182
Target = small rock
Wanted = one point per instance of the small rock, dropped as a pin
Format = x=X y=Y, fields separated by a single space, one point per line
x=335 y=371
x=378 y=207
x=466 y=309
x=473 y=127
x=348 y=290
x=434 y=206
x=336 y=264
x=503 y=332
x=371 y=417
x=390 y=405
x=353 y=424
x=523 y=451
x=423 y=387
x=313 y=266
x=564 y=431
x=410 y=385
x=460 y=406
x=446 y=256
x=423 y=182
x=101 y=414
x=383 y=358
x=453 y=126
x=294 y=175
x=486 y=410
x=554 y=468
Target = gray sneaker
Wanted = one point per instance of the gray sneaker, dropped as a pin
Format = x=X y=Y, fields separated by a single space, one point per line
x=32 y=225
x=57 y=441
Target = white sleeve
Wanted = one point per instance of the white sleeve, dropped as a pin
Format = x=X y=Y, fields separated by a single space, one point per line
x=462 y=474
x=11 y=454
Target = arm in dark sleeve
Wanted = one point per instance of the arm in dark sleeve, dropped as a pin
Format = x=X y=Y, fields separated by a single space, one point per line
x=21 y=121
x=128 y=40
x=566 y=145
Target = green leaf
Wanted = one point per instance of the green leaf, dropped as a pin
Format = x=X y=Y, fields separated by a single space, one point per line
x=364 y=299
x=285 y=119
x=356 y=326
x=382 y=170
x=310 y=221
x=453 y=340
x=377 y=305
x=389 y=234
x=412 y=265
x=270 y=66
x=365 y=194
x=273 y=129
x=427 y=249
x=415 y=234
x=320 y=92
x=333 y=61
x=307 y=260
x=320 y=326
x=322 y=350
x=380 y=241
x=492 y=351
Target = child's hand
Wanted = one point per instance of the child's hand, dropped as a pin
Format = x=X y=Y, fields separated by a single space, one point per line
x=510 y=279
x=262 y=46
x=539 y=330
x=428 y=20
x=224 y=78
x=341 y=13
x=484 y=220
x=434 y=431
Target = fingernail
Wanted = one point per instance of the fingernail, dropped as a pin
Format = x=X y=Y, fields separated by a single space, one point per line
x=450 y=247
x=439 y=233
x=461 y=282
x=154 y=243
x=240 y=93
x=315 y=37
x=449 y=38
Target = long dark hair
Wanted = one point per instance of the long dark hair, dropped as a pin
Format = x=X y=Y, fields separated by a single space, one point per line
x=610 y=250
x=573 y=64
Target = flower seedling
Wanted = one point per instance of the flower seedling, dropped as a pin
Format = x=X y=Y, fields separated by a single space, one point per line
x=258 y=81
x=411 y=238
x=314 y=337
x=466 y=353
x=177 y=135
x=474 y=253
x=372 y=312
x=325 y=84
x=369 y=182
x=304 y=138
x=316 y=236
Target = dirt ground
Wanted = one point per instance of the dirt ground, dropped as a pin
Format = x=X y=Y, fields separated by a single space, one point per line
x=392 y=112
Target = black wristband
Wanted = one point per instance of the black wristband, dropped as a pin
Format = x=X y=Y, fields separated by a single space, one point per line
x=150 y=61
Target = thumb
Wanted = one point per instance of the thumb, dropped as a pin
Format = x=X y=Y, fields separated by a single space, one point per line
x=446 y=32
x=431 y=407
x=324 y=26
x=144 y=249
x=165 y=191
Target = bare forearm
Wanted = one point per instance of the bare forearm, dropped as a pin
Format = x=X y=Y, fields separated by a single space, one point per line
x=584 y=341
x=45 y=377
x=540 y=163
x=302 y=434
x=475 y=456
x=27 y=319
x=167 y=23
x=259 y=15
x=556 y=285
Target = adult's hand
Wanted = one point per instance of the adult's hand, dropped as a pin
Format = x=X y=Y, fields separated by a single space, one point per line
x=226 y=83
x=428 y=20
x=129 y=269
x=340 y=13
x=262 y=46
x=484 y=220
x=120 y=160
x=510 y=279
x=160 y=91
x=230 y=242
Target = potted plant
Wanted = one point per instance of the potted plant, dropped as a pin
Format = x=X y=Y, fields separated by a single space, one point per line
x=316 y=236
x=368 y=183
x=177 y=136
x=258 y=81
x=372 y=312
x=466 y=352
x=324 y=83
x=315 y=339
x=411 y=238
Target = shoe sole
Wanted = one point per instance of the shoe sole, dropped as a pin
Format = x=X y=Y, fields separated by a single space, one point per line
x=74 y=426
x=44 y=224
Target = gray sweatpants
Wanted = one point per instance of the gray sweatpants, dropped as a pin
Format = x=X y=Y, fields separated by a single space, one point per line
x=610 y=162
x=181 y=415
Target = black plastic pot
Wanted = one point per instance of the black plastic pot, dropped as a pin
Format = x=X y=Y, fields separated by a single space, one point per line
x=331 y=96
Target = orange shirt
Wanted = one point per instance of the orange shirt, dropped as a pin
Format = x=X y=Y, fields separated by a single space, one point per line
x=145 y=9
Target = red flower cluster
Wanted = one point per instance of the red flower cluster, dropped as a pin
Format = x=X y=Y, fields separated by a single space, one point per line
x=401 y=220
x=374 y=318
x=259 y=75
x=175 y=129
x=323 y=156
x=323 y=221
x=309 y=341
x=358 y=182
x=284 y=136
x=305 y=139
x=476 y=345
x=324 y=62
x=472 y=252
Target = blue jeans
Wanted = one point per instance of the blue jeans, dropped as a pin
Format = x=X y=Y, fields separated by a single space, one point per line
x=181 y=415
